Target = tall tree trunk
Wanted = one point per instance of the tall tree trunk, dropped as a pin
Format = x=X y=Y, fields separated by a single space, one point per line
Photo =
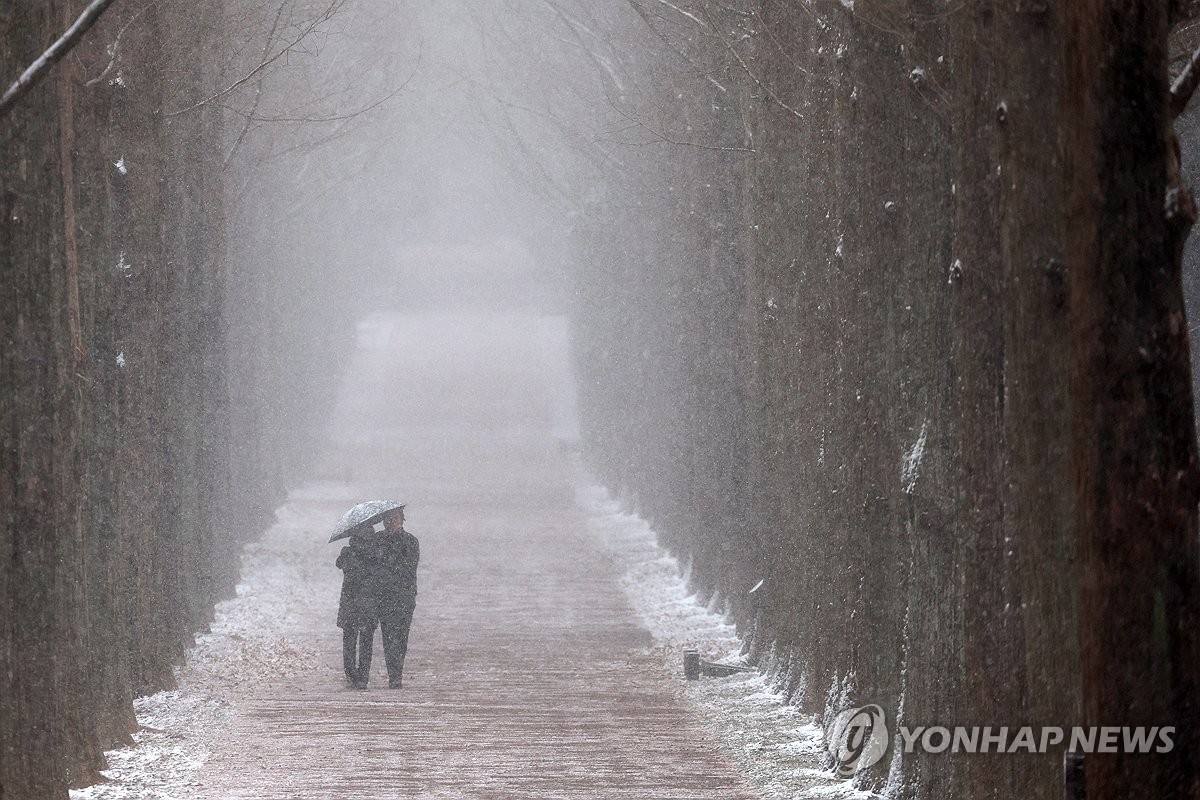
x=1133 y=434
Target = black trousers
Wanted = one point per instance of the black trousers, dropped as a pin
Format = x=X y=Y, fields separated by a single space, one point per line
x=356 y=652
x=357 y=644
x=394 y=628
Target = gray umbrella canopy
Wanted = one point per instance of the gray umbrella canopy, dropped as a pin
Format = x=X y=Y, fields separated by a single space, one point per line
x=361 y=517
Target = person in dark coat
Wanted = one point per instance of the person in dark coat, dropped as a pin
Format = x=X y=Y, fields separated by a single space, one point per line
x=357 y=615
x=379 y=588
x=396 y=591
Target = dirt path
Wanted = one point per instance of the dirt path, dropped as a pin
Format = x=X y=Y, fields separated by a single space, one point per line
x=528 y=675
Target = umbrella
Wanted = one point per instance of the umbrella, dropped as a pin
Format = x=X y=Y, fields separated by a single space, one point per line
x=361 y=516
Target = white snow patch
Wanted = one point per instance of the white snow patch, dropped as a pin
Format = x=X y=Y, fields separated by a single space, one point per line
x=895 y=779
x=911 y=466
x=120 y=165
x=780 y=750
x=121 y=359
x=250 y=642
x=894 y=785
x=178 y=730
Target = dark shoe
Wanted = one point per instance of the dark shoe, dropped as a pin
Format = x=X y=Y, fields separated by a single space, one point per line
x=360 y=685
x=394 y=684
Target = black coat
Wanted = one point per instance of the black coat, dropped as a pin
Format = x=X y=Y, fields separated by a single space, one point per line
x=379 y=578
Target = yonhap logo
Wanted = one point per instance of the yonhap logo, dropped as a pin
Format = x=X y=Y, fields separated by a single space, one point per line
x=857 y=739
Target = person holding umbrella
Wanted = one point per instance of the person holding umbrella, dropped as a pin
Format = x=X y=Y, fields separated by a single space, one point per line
x=379 y=588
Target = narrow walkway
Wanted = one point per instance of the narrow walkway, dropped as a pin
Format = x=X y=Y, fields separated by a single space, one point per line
x=528 y=674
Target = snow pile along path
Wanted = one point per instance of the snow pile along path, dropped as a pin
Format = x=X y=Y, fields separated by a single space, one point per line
x=257 y=638
x=781 y=750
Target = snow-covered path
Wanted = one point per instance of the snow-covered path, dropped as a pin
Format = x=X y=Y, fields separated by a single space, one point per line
x=546 y=650
x=528 y=673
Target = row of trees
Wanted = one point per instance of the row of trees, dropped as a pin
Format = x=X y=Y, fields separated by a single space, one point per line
x=876 y=305
x=153 y=409
x=113 y=458
x=883 y=310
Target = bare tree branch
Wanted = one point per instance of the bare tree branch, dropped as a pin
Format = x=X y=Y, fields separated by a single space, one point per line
x=750 y=74
x=713 y=31
x=348 y=115
x=662 y=136
x=1185 y=85
x=342 y=116
x=270 y=41
x=574 y=26
x=684 y=12
x=42 y=64
x=114 y=49
x=662 y=37
x=1183 y=40
x=325 y=16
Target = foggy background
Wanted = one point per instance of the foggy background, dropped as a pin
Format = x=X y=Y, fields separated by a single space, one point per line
x=457 y=190
x=811 y=264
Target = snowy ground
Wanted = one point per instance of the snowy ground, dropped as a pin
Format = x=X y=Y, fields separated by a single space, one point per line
x=250 y=642
x=262 y=641
x=781 y=750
